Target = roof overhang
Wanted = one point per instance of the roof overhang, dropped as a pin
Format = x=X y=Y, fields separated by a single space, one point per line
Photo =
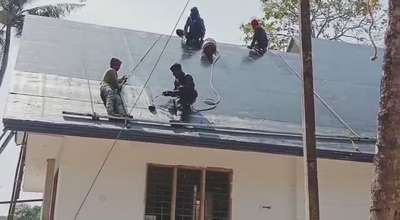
x=262 y=143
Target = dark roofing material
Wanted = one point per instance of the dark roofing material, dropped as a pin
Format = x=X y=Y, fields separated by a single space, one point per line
x=56 y=56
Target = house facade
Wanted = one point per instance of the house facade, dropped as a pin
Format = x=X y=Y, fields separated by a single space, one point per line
x=239 y=161
x=257 y=185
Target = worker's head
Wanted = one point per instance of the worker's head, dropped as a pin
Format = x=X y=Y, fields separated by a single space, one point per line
x=254 y=23
x=194 y=12
x=176 y=69
x=115 y=63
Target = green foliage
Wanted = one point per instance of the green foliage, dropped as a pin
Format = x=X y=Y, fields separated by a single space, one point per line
x=331 y=19
x=55 y=11
x=14 y=11
x=26 y=212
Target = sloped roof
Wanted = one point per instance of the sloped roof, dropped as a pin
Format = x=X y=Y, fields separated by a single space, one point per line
x=261 y=98
x=348 y=80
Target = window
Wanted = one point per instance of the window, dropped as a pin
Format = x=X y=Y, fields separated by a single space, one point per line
x=186 y=193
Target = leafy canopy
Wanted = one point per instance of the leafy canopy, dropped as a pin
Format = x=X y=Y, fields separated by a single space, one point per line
x=345 y=20
x=13 y=11
x=26 y=212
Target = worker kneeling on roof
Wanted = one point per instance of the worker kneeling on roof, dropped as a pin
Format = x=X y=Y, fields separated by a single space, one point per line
x=209 y=50
x=110 y=90
x=259 y=44
x=194 y=30
x=184 y=91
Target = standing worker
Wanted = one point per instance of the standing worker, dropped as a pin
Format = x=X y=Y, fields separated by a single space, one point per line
x=184 y=91
x=194 y=30
x=110 y=90
x=259 y=44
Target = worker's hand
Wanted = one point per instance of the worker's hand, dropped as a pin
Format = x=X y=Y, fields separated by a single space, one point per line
x=167 y=93
x=124 y=78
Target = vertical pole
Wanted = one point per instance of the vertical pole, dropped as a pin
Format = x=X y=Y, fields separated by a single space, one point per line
x=54 y=195
x=48 y=189
x=15 y=193
x=194 y=206
x=203 y=194
x=173 y=199
x=309 y=142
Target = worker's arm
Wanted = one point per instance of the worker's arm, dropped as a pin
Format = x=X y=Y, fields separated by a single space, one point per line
x=122 y=80
x=258 y=34
x=185 y=29
x=253 y=41
x=173 y=93
x=203 y=29
x=181 y=89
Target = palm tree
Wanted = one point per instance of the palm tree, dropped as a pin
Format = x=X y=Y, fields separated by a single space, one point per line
x=385 y=204
x=12 y=16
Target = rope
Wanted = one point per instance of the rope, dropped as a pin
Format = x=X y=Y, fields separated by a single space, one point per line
x=90 y=90
x=212 y=102
x=3 y=134
x=133 y=107
x=217 y=100
x=144 y=56
x=89 y=87
x=136 y=66
x=322 y=100
x=159 y=57
x=6 y=141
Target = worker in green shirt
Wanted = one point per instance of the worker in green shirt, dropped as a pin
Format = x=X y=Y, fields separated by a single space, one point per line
x=110 y=90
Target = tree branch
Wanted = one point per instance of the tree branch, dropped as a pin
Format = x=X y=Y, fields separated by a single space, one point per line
x=351 y=28
x=56 y=11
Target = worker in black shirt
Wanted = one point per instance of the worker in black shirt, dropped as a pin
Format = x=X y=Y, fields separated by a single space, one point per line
x=194 y=30
x=259 y=44
x=184 y=91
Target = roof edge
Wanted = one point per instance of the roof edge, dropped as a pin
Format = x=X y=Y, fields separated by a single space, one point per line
x=182 y=140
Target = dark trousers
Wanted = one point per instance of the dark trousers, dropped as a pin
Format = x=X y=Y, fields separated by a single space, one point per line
x=258 y=51
x=194 y=42
x=182 y=107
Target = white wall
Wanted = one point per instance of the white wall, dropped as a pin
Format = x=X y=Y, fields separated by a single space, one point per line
x=39 y=149
x=258 y=180
x=344 y=189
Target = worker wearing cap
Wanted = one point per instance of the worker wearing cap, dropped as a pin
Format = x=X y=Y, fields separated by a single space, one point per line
x=184 y=90
x=194 y=29
x=110 y=89
x=259 y=44
x=209 y=50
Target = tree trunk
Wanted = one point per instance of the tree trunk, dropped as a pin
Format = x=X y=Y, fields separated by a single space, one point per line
x=4 y=60
x=385 y=204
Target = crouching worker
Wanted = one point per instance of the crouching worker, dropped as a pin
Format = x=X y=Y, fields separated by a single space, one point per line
x=259 y=44
x=209 y=50
x=194 y=30
x=110 y=90
x=184 y=91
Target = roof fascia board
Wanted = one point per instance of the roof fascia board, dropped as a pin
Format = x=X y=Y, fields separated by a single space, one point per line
x=191 y=141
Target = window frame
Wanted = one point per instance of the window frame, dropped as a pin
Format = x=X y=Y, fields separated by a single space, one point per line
x=203 y=182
